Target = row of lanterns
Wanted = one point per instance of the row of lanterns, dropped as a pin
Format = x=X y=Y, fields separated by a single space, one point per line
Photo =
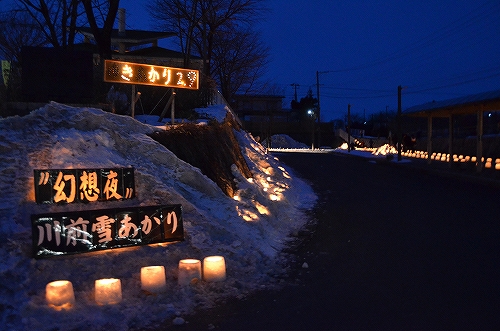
x=488 y=162
x=59 y=294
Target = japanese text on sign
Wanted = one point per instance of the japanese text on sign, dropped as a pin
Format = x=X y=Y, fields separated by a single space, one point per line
x=146 y=74
x=83 y=185
x=86 y=231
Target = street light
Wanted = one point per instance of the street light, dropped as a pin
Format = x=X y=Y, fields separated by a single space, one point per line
x=312 y=115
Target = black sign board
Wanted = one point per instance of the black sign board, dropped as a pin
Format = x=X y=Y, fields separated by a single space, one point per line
x=57 y=234
x=83 y=185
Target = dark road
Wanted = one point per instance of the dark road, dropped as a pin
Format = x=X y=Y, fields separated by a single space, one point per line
x=394 y=248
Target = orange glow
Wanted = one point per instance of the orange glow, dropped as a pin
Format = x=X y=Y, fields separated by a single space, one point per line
x=60 y=295
x=153 y=279
x=189 y=271
x=261 y=208
x=146 y=74
x=108 y=291
x=214 y=269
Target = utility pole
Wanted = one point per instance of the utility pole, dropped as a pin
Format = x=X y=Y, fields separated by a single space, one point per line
x=317 y=93
x=295 y=86
x=349 y=128
x=319 y=108
x=400 y=138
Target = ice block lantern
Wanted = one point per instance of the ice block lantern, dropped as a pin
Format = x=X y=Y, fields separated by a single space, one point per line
x=189 y=269
x=108 y=291
x=214 y=268
x=153 y=279
x=60 y=295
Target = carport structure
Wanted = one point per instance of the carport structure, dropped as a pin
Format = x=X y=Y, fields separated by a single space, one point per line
x=472 y=104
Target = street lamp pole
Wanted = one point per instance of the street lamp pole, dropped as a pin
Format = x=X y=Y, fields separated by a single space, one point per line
x=319 y=107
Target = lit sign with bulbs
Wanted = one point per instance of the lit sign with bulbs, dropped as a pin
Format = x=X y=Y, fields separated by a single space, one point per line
x=147 y=74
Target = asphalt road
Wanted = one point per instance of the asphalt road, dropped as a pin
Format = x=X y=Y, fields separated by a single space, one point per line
x=394 y=248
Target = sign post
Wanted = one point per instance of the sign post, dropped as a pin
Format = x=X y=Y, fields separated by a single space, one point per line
x=147 y=74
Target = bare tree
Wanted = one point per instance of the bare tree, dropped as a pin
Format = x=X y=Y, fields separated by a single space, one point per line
x=198 y=23
x=16 y=31
x=102 y=35
x=239 y=61
x=56 y=19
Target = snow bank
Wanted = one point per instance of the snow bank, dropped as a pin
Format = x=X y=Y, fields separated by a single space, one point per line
x=248 y=231
x=284 y=141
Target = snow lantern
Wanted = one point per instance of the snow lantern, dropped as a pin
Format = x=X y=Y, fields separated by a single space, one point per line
x=214 y=268
x=108 y=291
x=153 y=279
x=60 y=295
x=189 y=270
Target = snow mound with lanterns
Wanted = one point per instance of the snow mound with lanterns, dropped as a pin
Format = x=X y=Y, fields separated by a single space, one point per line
x=250 y=230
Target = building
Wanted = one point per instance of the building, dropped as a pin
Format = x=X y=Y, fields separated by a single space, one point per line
x=76 y=76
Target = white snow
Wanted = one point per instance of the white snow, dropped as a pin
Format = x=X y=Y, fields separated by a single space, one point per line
x=284 y=141
x=249 y=230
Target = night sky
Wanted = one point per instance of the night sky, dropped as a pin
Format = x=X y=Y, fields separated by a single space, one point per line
x=435 y=49
x=364 y=49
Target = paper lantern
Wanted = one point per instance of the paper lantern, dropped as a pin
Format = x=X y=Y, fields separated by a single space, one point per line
x=60 y=295
x=214 y=268
x=189 y=270
x=108 y=291
x=153 y=279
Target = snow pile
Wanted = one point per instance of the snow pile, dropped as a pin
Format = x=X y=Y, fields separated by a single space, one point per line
x=214 y=112
x=385 y=150
x=249 y=231
x=284 y=141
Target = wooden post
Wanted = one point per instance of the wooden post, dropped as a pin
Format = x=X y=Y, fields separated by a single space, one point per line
x=172 y=110
x=479 y=153
x=349 y=128
x=132 y=102
x=400 y=133
x=170 y=102
x=429 y=137
x=450 y=140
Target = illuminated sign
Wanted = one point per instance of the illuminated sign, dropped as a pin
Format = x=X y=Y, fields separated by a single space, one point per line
x=92 y=230
x=83 y=185
x=146 y=74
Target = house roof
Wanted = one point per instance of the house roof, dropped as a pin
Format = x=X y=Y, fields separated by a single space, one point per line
x=153 y=51
x=156 y=51
x=469 y=104
x=130 y=37
x=258 y=96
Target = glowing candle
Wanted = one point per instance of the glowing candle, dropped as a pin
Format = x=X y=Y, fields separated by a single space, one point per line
x=189 y=270
x=153 y=279
x=59 y=294
x=214 y=268
x=108 y=291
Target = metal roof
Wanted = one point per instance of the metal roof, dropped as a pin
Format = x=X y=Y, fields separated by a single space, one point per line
x=130 y=37
x=469 y=104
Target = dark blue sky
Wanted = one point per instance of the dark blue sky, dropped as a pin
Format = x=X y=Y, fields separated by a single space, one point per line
x=437 y=50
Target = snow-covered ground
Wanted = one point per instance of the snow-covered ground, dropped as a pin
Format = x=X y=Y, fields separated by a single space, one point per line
x=249 y=230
